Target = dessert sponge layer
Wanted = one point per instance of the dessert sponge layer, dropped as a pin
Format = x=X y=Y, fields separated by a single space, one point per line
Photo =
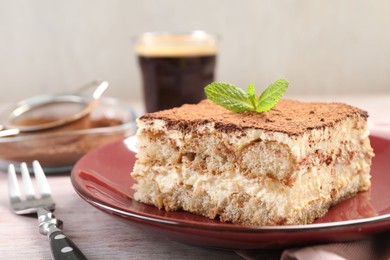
x=249 y=169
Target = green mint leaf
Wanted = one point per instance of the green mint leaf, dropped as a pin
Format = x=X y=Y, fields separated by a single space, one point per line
x=229 y=97
x=271 y=95
x=251 y=93
x=237 y=100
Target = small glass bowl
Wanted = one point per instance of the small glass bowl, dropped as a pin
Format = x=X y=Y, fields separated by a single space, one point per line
x=59 y=149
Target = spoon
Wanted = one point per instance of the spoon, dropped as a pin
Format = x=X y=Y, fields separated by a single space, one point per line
x=49 y=111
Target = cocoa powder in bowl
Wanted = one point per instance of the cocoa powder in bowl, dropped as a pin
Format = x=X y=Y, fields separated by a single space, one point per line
x=60 y=148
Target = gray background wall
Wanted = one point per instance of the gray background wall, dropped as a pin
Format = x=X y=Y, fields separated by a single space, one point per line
x=320 y=46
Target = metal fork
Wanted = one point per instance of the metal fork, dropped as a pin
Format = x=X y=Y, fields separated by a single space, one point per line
x=42 y=204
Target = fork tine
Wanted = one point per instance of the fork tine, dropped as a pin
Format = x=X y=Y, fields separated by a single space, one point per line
x=13 y=185
x=43 y=184
x=27 y=183
x=61 y=246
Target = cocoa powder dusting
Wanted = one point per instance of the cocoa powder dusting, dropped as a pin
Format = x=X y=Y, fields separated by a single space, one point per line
x=288 y=116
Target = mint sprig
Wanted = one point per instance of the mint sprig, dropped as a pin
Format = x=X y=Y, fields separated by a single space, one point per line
x=237 y=100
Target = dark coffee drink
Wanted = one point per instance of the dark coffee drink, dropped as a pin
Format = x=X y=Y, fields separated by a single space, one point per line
x=175 y=70
x=171 y=82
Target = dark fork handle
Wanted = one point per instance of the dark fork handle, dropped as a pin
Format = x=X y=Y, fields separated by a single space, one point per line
x=62 y=247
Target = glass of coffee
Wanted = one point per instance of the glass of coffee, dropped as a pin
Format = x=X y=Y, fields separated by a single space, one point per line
x=175 y=67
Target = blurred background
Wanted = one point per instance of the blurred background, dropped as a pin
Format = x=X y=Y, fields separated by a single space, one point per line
x=321 y=47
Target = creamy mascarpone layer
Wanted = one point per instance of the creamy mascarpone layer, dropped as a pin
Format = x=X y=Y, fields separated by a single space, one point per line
x=282 y=200
x=291 y=178
x=324 y=139
x=345 y=140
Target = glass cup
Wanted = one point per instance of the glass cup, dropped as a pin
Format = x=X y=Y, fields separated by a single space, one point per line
x=175 y=67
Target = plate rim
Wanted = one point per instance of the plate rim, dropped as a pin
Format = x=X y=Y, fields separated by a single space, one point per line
x=227 y=227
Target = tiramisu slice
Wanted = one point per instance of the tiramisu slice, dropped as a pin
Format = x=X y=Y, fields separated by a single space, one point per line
x=281 y=167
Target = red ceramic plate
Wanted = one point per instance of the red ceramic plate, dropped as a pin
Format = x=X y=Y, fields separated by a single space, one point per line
x=102 y=178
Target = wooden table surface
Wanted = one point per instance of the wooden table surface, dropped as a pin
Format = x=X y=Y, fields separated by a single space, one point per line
x=99 y=235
